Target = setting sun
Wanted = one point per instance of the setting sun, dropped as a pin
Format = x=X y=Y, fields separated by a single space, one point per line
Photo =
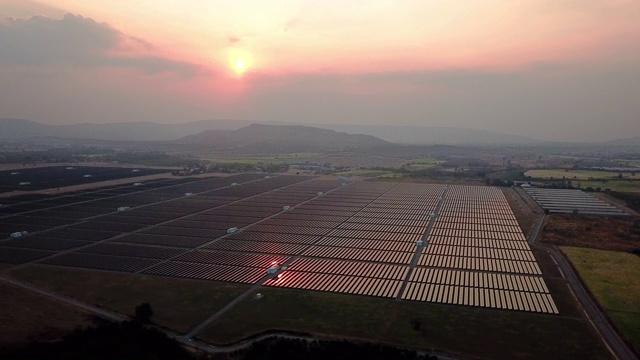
x=240 y=60
x=240 y=66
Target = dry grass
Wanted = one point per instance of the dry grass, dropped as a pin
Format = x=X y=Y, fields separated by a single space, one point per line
x=599 y=232
x=177 y=304
x=26 y=317
x=467 y=332
x=577 y=174
x=614 y=279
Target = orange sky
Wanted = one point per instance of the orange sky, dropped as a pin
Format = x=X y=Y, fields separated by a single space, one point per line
x=280 y=36
x=189 y=50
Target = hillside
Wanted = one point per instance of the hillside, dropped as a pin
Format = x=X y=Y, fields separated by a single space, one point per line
x=423 y=135
x=18 y=129
x=280 y=138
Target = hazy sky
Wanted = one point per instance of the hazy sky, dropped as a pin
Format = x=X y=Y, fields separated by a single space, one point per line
x=549 y=69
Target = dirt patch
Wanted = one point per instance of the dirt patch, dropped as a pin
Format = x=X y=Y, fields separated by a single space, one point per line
x=616 y=202
x=526 y=214
x=598 y=232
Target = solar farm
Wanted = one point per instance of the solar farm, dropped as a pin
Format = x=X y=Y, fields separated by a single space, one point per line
x=434 y=243
x=567 y=201
x=29 y=179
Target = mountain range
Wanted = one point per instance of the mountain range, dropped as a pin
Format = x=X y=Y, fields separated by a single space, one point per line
x=280 y=138
x=19 y=129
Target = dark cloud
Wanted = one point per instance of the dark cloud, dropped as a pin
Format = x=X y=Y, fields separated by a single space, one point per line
x=78 y=41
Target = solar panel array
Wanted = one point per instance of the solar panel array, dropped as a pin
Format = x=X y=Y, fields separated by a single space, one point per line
x=372 y=243
x=357 y=239
x=567 y=201
x=86 y=229
x=477 y=255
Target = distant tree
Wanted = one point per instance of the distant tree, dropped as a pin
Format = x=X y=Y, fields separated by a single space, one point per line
x=143 y=313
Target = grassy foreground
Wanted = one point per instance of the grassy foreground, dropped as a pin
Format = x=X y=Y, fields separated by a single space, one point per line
x=466 y=331
x=177 y=304
x=614 y=279
x=25 y=316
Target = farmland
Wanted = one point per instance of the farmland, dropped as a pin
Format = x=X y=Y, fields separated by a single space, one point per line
x=192 y=245
x=254 y=159
x=579 y=174
x=632 y=186
x=614 y=279
x=598 y=232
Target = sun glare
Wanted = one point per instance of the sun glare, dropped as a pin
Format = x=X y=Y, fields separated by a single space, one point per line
x=240 y=66
x=240 y=61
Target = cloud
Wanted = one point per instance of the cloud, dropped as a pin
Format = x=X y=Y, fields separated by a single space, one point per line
x=77 y=41
x=233 y=40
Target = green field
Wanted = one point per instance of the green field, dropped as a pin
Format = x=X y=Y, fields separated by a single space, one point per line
x=264 y=158
x=425 y=163
x=614 y=185
x=177 y=304
x=578 y=174
x=371 y=173
x=465 y=331
x=614 y=279
x=507 y=175
x=628 y=162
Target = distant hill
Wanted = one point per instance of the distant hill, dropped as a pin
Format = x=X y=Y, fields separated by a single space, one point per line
x=281 y=138
x=635 y=141
x=17 y=129
x=418 y=135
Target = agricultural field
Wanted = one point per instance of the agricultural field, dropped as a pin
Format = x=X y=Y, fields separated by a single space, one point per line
x=424 y=163
x=419 y=247
x=629 y=162
x=597 y=232
x=372 y=173
x=29 y=179
x=290 y=157
x=630 y=186
x=557 y=174
x=614 y=279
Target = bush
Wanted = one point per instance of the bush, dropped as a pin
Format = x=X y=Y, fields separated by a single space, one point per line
x=143 y=313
